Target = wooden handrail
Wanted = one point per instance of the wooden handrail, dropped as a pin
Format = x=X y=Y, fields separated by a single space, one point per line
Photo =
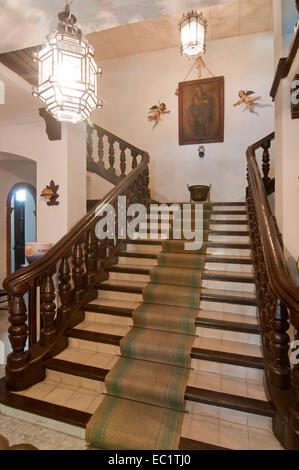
x=14 y=283
x=279 y=276
x=278 y=303
x=284 y=65
x=79 y=260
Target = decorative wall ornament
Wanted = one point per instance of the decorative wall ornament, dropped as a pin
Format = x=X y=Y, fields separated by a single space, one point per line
x=248 y=100
x=201 y=111
x=50 y=193
x=156 y=112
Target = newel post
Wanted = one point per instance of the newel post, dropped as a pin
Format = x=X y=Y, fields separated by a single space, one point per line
x=20 y=372
x=18 y=331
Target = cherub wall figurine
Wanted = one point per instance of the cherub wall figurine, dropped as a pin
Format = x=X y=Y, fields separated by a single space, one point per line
x=249 y=101
x=156 y=112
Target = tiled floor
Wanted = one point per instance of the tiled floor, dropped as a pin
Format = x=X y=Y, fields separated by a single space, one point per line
x=227 y=434
x=20 y=432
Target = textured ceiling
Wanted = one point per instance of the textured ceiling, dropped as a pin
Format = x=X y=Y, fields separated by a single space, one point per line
x=235 y=18
x=24 y=23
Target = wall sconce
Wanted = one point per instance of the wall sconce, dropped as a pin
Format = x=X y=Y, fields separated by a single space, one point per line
x=201 y=151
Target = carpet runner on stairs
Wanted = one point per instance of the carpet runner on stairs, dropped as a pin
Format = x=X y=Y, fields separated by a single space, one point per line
x=144 y=403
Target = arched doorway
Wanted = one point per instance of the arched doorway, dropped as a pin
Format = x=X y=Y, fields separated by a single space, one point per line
x=21 y=224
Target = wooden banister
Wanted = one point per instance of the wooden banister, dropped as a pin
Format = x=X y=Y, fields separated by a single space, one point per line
x=111 y=168
x=285 y=64
x=278 y=303
x=78 y=261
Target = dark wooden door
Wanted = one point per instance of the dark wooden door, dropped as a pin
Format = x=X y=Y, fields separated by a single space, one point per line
x=19 y=233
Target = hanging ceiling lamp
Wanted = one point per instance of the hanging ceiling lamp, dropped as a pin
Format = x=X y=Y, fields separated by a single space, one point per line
x=68 y=74
x=193 y=28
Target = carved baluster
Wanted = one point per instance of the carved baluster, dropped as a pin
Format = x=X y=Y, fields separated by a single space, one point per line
x=18 y=332
x=146 y=191
x=110 y=247
x=140 y=189
x=101 y=254
x=123 y=165
x=266 y=317
x=111 y=155
x=89 y=144
x=64 y=290
x=266 y=162
x=100 y=146
x=48 y=311
x=134 y=154
x=91 y=257
x=32 y=312
x=280 y=368
x=294 y=316
x=78 y=272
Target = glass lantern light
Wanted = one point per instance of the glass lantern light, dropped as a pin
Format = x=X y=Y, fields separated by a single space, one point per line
x=193 y=28
x=67 y=72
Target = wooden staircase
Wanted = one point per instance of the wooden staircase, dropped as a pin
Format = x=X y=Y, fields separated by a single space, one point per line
x=225 y=399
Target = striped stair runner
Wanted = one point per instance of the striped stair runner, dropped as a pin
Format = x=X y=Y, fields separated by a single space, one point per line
x=145 y=391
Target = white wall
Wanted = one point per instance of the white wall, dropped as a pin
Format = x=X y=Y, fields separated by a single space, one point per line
x=131 y=85
x=64 y=162
x=97 y=187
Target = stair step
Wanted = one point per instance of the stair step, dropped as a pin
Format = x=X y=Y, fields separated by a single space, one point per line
x=190 y=444
x=200 y=321
x=213 y=212
x=206 y=294
x=48 y=410
x=232 y=204
x=207 y=275
x=233 y=402
x=79 y=418
x=228 y=358
x=79 y=370
x=227 y=245
x=165 y=230
x=194 y=394
x=226 y=212
x=243 y=360
x=209 y=258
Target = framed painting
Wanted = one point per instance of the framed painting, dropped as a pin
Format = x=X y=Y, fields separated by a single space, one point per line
x=201 y=111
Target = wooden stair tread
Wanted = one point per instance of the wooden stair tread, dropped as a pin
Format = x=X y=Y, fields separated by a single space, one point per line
x=218 y=324
x=190 y=444
x=213 y=295
x=229 y=259
x=209 y=397
x=78 y=418
x=243 y=360
x=48 y=410
x=196 y=353
x=226 y=245
x=211 y=275
x=79 y=370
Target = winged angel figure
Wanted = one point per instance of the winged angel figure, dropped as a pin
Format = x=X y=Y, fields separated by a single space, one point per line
x=156 y=112
x=247 y=99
